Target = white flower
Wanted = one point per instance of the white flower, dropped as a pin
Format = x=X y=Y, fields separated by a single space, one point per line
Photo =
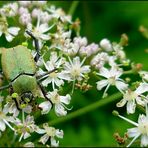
x=25 y=127
x=51 y=133
x=144 y=75
x=141 y=129
x=89 y=50
x=133 y=97
x=80 y=41
x=4 y=120
x=10 y=32
x=118 y=49
x=25 y=18
x=105 y=44
x=45 y=106
x=23 y=10
x=40 y=31
x=56 y=78
x=99 y=60
x=74 y=70
x=9 y=10
x=59 y=14
x=112 y=78
x=59 y=102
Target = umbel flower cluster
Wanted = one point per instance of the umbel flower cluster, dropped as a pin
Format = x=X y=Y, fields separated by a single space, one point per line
x=70 y=61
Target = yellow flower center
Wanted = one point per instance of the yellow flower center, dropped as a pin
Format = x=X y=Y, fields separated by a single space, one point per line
x=53 y=75
x=130 y=95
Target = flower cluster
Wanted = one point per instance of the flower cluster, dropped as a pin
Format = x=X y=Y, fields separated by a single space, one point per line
x=64 y=62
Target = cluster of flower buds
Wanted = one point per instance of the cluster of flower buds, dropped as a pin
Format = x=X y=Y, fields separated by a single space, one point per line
x=75 y=61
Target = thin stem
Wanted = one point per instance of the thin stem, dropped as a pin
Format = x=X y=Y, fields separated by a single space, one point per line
x=73 y=7
x=87 y=109
x=128 y=72
x=141 y=108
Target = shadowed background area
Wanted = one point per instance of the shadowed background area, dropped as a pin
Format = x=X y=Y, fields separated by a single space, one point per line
x=103 y=20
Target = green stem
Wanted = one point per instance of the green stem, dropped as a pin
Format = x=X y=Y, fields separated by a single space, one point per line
x=142 y=109
x=73 y=7
x=129 y=72
x=87 y=109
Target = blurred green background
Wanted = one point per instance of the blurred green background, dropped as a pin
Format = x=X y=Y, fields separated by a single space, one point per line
x=105 y=20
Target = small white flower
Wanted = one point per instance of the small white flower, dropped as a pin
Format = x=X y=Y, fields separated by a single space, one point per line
x=51 y=132
x=25 y=18
x=112 y=78
x=105 y=44
x=23 y=10
x=59 y=102
x=10 y=32
x=99 y=60
x=25 y=127
x=40 y=31
x=9 y=10
x=144 y=75
x=4 y=120
x=133 y=97
x=89 y=50
x=141 y=129
x=74 y=70
x=45 y=106
x=59 y=14
x=118 y=49
x=56 y=78
x=81 y=41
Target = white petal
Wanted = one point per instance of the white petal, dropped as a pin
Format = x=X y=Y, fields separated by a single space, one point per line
x=121 y=103
x=26 y=135
x=140 y=101
x=59 y=133
x=45 y=37
x=60 y=111
x=46 y=82
x=142 y=88
x=29 y=144
x=104 y=72
x=1 y=33
x=39 y=130
x=13 y=30
x=46 y=106
x=65 y=99
x=101 y=84
x=144 y=140
x=121 y=85
x=132 y=132
x=54 y=143
x=43 y=28
x=2 y=125
x=9 y=37
x=85 y=69
x=58 y=82
x=76 y=61
x=64 y=76
x=131 y=107
x=44 y=139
